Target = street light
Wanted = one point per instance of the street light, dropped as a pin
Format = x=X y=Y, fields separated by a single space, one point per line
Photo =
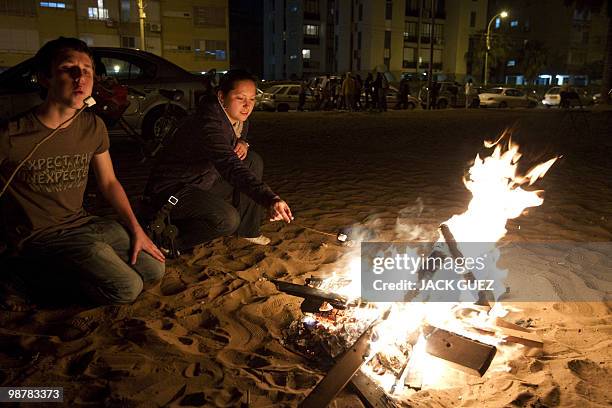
x=503 y=14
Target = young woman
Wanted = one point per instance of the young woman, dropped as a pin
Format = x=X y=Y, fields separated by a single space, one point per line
x=209 y=167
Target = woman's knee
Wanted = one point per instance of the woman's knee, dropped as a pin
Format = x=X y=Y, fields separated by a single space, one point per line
x=228 y=222
x=255 y=163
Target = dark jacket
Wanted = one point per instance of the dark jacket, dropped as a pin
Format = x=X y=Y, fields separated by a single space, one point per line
x=201 y=152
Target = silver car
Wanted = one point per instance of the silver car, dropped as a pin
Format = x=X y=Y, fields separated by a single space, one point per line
x=284 y=97
x=506 y=98
x=144 y=74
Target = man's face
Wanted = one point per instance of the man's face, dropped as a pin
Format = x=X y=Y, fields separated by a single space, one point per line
x=239 y=102
x=71 y=79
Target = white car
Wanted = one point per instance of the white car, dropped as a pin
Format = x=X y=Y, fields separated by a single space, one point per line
x=506 y=98
x=284 y=97
x=552 y=97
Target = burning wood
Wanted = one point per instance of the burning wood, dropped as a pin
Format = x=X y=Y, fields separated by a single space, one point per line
x=399 y=351
x=463 y=353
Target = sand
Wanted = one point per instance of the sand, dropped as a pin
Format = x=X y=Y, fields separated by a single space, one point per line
x=211 y=333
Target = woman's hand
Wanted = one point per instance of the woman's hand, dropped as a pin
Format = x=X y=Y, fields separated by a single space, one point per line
x=241 y=149
x=141 y=242
x=280 y=211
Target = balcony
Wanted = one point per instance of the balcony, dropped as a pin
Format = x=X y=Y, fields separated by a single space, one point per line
x=312 y=16
x=310 y=40
x=311 y=64
x=409 y=64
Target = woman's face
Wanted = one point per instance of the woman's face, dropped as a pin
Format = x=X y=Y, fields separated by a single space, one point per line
x=239 y=102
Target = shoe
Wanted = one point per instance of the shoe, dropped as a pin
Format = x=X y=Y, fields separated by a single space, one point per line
x=260 y=240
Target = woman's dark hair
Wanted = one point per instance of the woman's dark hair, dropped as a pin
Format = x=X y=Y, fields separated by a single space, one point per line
x=48 y=53
x=230 y=78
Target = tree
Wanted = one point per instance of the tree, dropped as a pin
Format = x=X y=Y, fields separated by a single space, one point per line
x=501 y=47
x=597 y=7
x=534 y=60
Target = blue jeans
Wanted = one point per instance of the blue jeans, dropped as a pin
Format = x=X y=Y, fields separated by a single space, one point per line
x=93 y=258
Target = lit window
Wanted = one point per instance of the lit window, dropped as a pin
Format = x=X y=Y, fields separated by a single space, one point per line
x=53 y=4
x=306 y=54
x=514 y=23
x=98 y=13
x=311 y=30
x=293 y=56
x=497 y=22
x=511 y=63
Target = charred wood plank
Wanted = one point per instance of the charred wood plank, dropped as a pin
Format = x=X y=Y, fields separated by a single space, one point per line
x=370 y=393
x=470 y=356
x=312 y=294
x=342 y=371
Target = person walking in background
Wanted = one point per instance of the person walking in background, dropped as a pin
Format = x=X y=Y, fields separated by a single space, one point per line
x=358 y=88
x=433 y=95
x=404 y=91
x=382 y=88
x=325 y=91
x=348 y=91
x=368 y=89
x=469 y=89
x=302 y=96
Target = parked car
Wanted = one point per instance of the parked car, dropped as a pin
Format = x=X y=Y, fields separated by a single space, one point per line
x=284 y=97
x=450 y=94
x=552 y=97
x=393 y=98
x=506 y=98
x=143 y=72
x=597 y=97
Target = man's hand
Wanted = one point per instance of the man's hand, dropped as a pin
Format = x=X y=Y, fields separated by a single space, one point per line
x=141 y=242
x=241 y=149
x=280 y=211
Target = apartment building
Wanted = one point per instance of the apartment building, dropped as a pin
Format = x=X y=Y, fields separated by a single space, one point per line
x=192 y=34
x=572 y=40
x=304 y=37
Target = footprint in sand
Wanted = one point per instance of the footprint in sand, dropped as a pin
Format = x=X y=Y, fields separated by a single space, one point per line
x=172 y=283
x=594 y=385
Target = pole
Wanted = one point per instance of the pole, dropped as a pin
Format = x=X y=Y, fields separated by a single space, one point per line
x=486 y=64
x=431 y=52
x=141 y=17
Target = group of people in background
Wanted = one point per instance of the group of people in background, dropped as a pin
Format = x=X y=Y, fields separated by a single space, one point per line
x=353 y=93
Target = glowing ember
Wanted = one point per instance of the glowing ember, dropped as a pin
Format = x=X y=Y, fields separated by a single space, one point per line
x=398 y=355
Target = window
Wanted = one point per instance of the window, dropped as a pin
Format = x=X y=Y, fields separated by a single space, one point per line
x=388 y=9
x=311 y=8
x=360 y=12
x=387 y=39
x=438 y=34
x=412 y=8
x=53 y=4
x=211 y=49
x=425 y=32
x=18 y=7
x=473 y=19
x=585 y=37
x=98 y=13
x=311 y=30
x=514 y=23
x=410 y=33
x=293 y=90
x=511 y=63
x=120 y=69
x=125 y=11
x=128 y=42
x=209 y=16
x=306 y=54
x=359 y=40
x=409 y=55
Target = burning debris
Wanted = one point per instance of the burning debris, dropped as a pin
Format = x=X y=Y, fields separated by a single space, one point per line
x=410 y=345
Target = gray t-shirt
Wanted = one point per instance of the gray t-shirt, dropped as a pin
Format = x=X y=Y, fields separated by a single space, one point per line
x=47 y=193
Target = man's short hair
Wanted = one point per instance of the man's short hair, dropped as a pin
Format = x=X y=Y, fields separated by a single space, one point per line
x=48 y=53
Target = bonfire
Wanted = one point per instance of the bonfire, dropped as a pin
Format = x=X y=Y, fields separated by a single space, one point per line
x=388 y=350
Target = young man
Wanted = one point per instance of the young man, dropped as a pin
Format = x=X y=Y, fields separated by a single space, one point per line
x=43 y=207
